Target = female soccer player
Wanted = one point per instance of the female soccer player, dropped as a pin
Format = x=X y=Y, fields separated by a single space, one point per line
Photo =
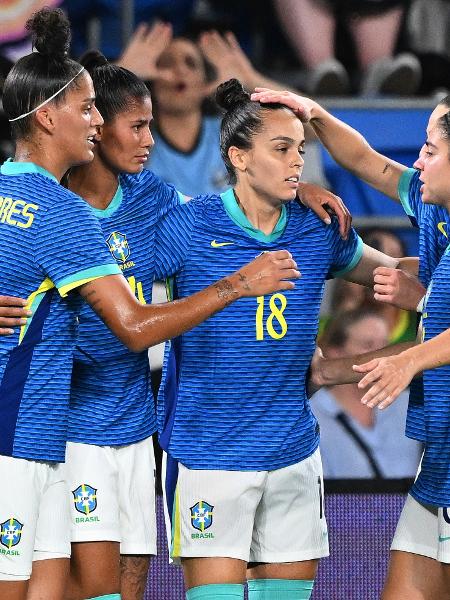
x=243 y=479
x=109 y=455
x=419 y=559
x=57 y=243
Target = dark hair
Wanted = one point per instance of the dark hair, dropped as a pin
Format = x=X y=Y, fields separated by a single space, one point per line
x=443 y=125
x=445 y=101
x=39 y=75
x=242 y=120
x=116 y=88
x=335 y=334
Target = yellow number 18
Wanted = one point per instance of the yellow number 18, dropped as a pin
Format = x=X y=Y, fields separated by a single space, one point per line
x=277 y=305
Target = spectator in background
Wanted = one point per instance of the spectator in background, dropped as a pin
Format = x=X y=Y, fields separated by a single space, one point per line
x=183 y=74
x=310 y=26
x=109 y=14
x=357 y=441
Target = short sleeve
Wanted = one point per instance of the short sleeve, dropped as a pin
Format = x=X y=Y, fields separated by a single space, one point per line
x=167 y=197
x=70 y=247
x=173 y=240
x=405 y=187
x=346 y=254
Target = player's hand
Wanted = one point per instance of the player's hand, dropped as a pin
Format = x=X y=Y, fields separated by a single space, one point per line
x=227 y=57
x=324 y=203
x=268 y=273
x=315 y=379
x=397 y=287
x=301 y=105
x=386 y=378
x=144 y=49
x=12 y=314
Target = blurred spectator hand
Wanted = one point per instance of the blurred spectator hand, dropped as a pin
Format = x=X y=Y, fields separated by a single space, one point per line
x=144 y=49
x=397 y=287
x=228 y=59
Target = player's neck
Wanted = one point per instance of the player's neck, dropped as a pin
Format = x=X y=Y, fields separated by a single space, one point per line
x=181 y=130
x=349 y=399
x=95 y=184
x=261 y=212
x=42 y=156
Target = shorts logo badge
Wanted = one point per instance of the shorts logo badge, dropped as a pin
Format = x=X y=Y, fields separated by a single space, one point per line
x=118 y=246
x=201 y=515
x=85 y=499
x=10 y=532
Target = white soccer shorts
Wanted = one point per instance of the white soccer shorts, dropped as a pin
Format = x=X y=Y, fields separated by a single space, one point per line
x=256 y=516
x=424 y=530
x=34 y=515
x=112 y=495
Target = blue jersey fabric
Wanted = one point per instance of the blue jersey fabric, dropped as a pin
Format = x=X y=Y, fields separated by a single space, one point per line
x=432 y=485
x=111 y=400
x=200 y=171
x=433 y=240
x=52 y=244
x=233 y=395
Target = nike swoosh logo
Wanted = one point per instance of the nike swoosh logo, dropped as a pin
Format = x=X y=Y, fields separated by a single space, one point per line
x=215 y=244
x=442 y=228
x=444 y=539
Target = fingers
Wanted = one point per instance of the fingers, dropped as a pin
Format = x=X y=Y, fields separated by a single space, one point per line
x=342 y=213
x=12 y=301
x=365 y=367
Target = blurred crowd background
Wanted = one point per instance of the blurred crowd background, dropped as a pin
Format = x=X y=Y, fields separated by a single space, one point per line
x=380 y=64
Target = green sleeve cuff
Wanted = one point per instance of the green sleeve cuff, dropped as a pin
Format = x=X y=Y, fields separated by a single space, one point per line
x=354 y=261
x=403 y=191
x=77 y=279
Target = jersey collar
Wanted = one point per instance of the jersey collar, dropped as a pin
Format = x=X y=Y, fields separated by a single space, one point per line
x=112 y=206
x=10 y=167
x=237 y=216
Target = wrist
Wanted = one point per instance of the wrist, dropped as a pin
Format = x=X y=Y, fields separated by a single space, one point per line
x=233 y=287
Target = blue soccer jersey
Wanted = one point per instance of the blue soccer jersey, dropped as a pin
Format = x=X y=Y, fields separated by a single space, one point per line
x=52 y=244
x=433 y=240
x=199 y=171
x=433 y=483
x=111 y=399
x=234 y=394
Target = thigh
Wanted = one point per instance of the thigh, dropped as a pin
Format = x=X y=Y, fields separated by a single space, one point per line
x=290 y=524
x=415 y=577
x=94 y=570
x=136 y=495
x=19 y=512
x=92 y=475
x=133 y=576
x=206 y=571
x=49 y=579
x=210 y=513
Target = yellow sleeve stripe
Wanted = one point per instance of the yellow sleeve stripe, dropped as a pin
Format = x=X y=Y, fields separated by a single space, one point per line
x=33 y=302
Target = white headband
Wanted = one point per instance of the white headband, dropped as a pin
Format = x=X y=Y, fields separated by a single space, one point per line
x=48 y=99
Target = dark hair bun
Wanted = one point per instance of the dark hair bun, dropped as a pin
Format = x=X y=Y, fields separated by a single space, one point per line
x=50 y=33
x=92 y=59
x=230 y=94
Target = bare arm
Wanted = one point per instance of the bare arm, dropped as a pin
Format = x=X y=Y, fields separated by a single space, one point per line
x=335 y=371
x=346 y=145
x=363 y=273
x=139 y=326
x=387 y=377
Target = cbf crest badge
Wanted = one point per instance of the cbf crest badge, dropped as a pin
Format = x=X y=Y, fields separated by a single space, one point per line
x=118 y=246
x=85 y=499
x=202 y=515
x=10 y=532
